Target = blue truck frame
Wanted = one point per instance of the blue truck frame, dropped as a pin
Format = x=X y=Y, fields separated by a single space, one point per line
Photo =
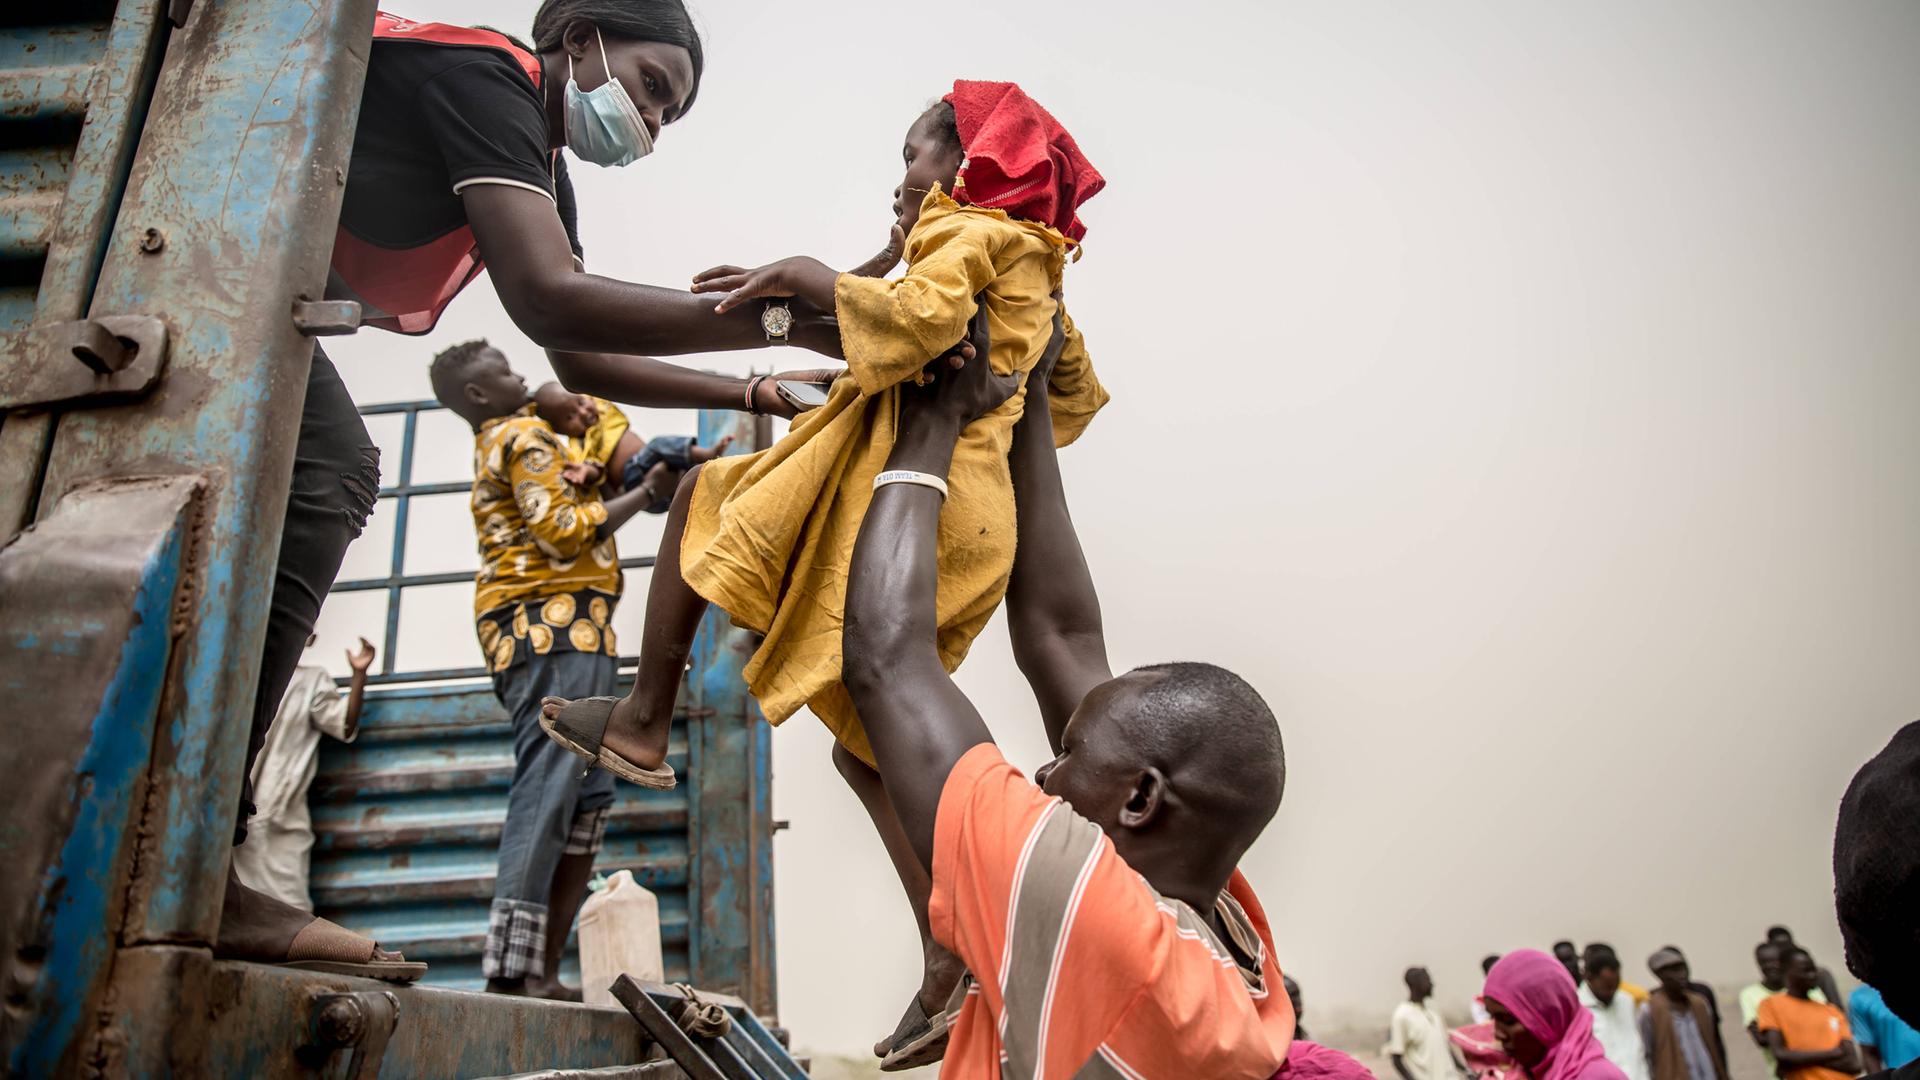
x=170 y=177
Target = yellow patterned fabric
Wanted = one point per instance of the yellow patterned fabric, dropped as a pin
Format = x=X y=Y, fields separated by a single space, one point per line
x=546 y=581
x=770 y=535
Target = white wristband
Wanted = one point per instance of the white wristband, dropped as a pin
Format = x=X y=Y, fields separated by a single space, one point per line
x=908 y=476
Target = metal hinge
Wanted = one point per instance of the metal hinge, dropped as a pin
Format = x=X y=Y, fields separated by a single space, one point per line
x=710 y=1036
x=116 y=356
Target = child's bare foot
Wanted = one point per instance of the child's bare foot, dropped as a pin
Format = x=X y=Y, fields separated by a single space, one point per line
x=629 y=734
x=707 y=453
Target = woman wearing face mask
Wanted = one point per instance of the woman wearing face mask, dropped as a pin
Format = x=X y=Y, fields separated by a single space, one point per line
x=457 y=168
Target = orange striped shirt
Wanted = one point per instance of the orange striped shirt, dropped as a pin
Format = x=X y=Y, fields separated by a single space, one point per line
x=1083 y=970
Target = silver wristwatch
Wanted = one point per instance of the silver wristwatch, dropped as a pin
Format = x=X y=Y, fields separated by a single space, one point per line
x=777 y=320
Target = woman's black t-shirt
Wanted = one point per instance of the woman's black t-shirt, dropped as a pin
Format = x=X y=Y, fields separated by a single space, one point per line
x=436 y=118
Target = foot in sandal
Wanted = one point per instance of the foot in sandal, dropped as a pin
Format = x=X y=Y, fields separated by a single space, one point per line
x=921 y=1037
x=611 y=733
x=257 y=927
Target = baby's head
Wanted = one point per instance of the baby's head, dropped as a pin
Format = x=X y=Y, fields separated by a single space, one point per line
x=568 y=413
x=933 y=155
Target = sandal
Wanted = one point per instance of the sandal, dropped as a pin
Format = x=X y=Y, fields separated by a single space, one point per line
x=580 y=726
x=921 y=1039
x=327 y=946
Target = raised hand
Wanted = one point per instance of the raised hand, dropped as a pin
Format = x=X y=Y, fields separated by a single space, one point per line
x=887 y=258
x=362 y=658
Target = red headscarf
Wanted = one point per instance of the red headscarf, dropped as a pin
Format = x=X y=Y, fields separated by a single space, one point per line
x=1539 y=992
x=1019 y=158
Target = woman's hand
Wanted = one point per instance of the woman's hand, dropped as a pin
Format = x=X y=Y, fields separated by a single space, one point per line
x=767 y=399
x=795 y=276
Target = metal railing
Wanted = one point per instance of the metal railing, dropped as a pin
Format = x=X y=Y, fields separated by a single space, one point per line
x=398 y=580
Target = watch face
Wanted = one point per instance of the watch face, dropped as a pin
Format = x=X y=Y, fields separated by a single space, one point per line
x=776 y=320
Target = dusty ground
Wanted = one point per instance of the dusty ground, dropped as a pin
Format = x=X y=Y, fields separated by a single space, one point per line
x=1743 y=1059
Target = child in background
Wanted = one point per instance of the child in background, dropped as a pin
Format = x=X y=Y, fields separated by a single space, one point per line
x=606 y=452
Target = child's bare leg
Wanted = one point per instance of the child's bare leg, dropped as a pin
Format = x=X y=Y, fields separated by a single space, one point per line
x=638 y=727
x=939 y=969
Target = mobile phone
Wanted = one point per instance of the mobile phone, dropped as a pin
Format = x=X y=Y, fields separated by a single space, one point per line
x=801 y=395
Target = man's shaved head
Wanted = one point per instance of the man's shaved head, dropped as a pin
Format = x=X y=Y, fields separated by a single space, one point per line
x=1181 y=764
x=1209 y=719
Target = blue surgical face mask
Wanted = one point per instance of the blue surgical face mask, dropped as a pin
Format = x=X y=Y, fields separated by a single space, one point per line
x=602 y=125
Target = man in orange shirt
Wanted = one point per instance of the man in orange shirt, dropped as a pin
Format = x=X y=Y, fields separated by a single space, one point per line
x=1810 y=1039
x=1101 y=914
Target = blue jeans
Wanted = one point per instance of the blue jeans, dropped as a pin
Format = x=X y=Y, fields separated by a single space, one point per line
x=545 y=805
x=675 y=450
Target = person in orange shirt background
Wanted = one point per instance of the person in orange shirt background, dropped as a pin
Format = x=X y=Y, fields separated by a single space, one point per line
x=1810 y=1039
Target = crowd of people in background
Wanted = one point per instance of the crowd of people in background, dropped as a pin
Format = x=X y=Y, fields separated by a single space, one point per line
x=1572 y=1015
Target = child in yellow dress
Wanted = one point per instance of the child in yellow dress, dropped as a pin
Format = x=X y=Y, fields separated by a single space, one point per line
x=769 y=536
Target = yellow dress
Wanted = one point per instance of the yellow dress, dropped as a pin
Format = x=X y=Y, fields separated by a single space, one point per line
x=770 y=535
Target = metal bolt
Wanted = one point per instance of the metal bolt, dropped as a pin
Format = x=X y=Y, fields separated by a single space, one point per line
x=339 y=175
x=152 y=241
x=342 y=1022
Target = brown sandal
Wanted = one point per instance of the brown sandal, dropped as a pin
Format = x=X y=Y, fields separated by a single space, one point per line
x=327 y=946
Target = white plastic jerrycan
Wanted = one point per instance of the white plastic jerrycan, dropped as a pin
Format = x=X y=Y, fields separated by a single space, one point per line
x=619 y=935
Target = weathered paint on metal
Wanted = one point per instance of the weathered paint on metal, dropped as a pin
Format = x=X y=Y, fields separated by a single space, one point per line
x=239 y=165
x=89 y=165
x=176 y=1011
x=90 y=596
x=407 y=823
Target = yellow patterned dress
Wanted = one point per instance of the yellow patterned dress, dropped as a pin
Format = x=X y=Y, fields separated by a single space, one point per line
x=770 y=535
x=546 y=582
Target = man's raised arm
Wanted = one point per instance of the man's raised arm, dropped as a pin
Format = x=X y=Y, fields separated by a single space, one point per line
x=1053 y=613
x=917 y=720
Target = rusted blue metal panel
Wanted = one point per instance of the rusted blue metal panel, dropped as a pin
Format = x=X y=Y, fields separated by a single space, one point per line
x=239 y=174
x=65 y=173
x=215 y=221
x=407 y=821
x=90 y=597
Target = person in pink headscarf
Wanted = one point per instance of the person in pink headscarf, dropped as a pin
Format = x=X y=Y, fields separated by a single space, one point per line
x=1539 y=1021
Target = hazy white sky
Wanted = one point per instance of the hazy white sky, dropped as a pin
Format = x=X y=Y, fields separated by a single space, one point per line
x=1521 y=396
